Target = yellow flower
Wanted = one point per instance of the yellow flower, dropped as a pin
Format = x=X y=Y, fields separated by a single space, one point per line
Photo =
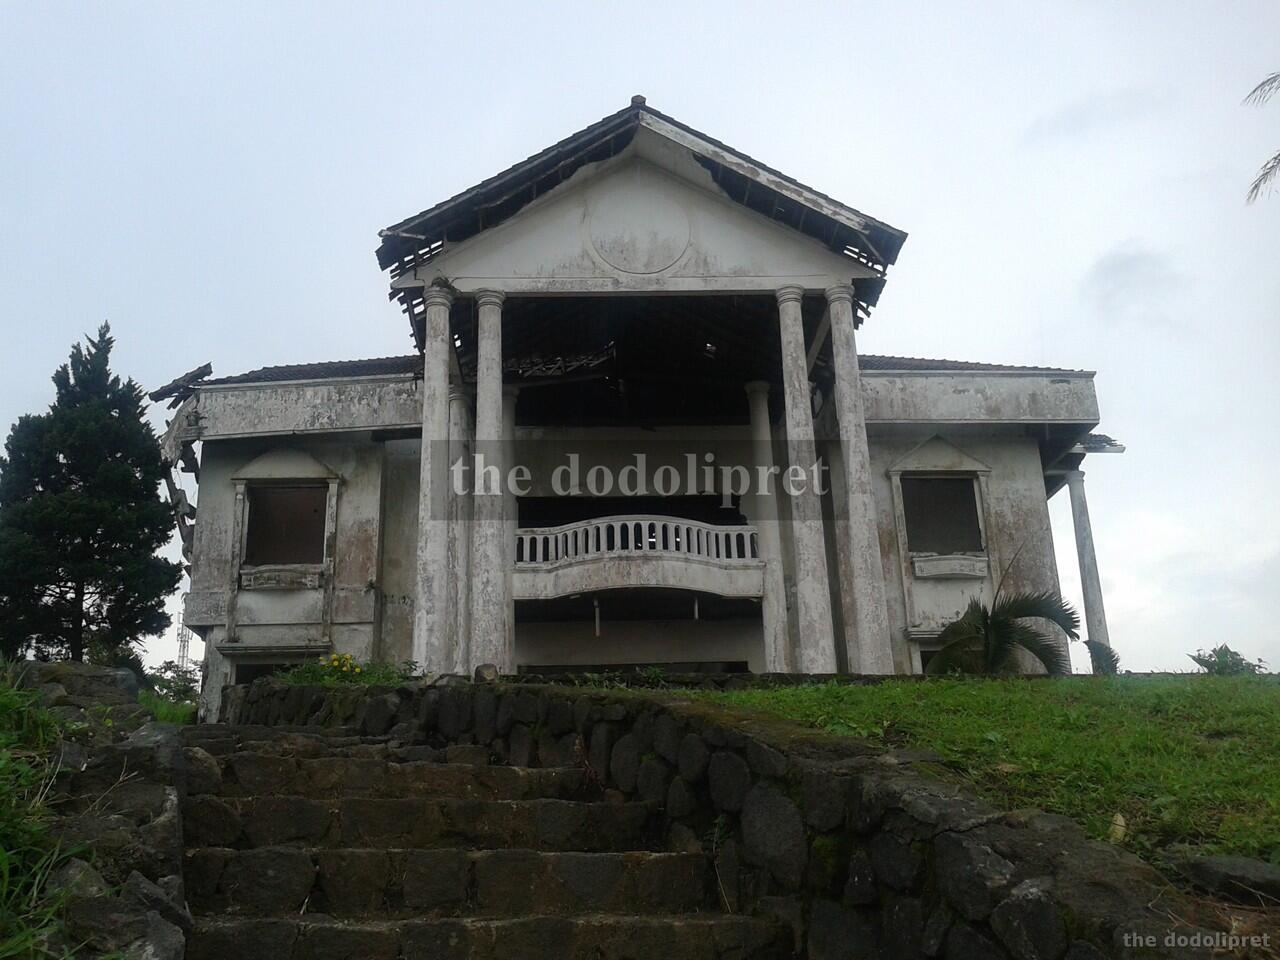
x=346 y=669
x=357 y=669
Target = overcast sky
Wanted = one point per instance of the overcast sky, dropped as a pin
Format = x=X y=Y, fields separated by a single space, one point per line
x=211 y=179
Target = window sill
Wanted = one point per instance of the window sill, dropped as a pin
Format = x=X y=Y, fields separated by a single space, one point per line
x=282 y=576
x=954 y=566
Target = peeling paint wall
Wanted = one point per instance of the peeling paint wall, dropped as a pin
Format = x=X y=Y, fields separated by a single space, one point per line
x=376 y=518
x=286 y=625
x=1016 y=520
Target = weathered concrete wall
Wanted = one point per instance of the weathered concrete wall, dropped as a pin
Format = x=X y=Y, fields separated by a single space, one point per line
x=1015 y=517
x=394 y=403
x=274 y=625
x=985 y=397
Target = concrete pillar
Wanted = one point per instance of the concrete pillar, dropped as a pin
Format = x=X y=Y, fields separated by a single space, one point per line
x=815 y=639
x=460 y=502
x=489 y=637
x=867 y=635
x=433 y=644
x=509 y=508
x=773 y=605
x=1095 y=616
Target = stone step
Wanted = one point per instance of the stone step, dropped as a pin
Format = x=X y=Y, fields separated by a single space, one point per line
x=284 y=881
x=211 y=821
x=220 y=739
x=697 y=937
x=262 y=774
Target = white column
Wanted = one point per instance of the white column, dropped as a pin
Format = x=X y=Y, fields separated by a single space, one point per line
x=867 y=637
x=433 y=645
x=1095 y=615
x=815 y=642
x=509 y=511
x=460 y=525
x=488 y=570
x=773 y=604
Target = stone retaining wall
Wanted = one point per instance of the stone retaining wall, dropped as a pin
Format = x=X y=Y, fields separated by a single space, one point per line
x=863 y=852
x=117 y=798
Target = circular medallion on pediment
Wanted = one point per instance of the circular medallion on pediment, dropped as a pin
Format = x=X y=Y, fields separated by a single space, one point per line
x=636 y=228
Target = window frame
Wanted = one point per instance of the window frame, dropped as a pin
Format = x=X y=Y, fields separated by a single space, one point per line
x=977 y=485
x=284 y=576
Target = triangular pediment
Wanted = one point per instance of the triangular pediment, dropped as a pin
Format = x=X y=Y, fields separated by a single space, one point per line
x=648 y=220
x=937 y=455
x=845 y=243
x=284 y=463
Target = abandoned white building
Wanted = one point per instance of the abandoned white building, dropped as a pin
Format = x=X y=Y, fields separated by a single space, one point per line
x=625 y=325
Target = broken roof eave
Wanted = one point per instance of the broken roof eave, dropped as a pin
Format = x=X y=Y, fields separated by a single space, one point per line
x=415 y=240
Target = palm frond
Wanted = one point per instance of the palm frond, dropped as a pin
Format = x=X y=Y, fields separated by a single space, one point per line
x=1270 y=170
x=960 y=656
x=1103 y=659
x=1043 y=604
x=1264 y=91
x=1051 y=653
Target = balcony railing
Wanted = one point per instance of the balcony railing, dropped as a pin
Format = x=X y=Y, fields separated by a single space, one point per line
x=550 y=547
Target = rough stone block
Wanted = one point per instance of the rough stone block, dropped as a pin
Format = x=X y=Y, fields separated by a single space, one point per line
x=1030 y=924
x=353 y=883
x=966 y=943
x=624 y=763
x=729 y=779
x=838 y=933
x=896 y=862
x=436 y=880
x=860 y=887
x=666 y=737
x=651 y=780
x=970 y=874
x=773 y=834
x=692 y=757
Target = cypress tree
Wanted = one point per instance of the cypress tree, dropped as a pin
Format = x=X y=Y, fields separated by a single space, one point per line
x=81 y=518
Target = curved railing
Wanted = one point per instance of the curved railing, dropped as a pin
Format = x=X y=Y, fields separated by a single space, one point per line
x=550 y=547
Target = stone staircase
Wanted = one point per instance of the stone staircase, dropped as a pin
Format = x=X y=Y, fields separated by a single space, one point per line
x=309 y=844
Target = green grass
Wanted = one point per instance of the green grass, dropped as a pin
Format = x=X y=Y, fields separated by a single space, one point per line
x=168 y=711
x=29 y=909
x=1191 y=760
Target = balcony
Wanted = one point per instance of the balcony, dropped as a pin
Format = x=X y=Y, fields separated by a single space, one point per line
x=610 y=553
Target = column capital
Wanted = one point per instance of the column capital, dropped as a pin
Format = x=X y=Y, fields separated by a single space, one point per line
x=490 y=298
x=437 y=297
x=458 y=392
x=790 y=294
x=840 y=293
x=1074 y=477
x=756 y=388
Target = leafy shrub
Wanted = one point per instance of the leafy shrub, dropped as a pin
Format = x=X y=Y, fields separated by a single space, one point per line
x=1222 y=661
x=166 y=710
x=338 y=668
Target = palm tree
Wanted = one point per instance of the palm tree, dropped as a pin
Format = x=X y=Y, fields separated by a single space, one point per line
x=986 y=640
x=1271 y=169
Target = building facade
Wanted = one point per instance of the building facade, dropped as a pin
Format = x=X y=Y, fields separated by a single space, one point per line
x=637 y=430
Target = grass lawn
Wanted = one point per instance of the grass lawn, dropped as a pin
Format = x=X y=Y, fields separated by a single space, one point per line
x=1185 y=760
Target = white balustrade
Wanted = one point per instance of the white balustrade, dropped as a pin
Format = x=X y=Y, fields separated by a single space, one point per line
x=550 y=547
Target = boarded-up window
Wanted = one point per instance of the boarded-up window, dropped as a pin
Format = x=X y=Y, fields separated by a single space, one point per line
x=286 y=524
x=942 y=515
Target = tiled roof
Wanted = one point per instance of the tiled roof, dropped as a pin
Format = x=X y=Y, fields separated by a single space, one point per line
x=412 y=364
